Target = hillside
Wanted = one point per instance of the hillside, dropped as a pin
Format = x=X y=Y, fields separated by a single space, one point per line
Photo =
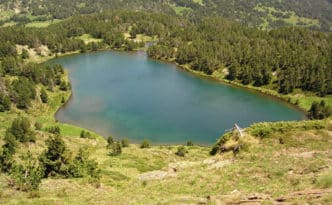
x=315 y=14
x=43 y=161
x=277 y=162
x=289 y=63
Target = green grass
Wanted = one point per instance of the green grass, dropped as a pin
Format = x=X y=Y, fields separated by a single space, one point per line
x=264 y=167
x=87 y=38
x=5 y=15
x=7 y=24
x=180 y=9
x=42 y=24
x=293 y=19
x=200 y=2
x=325 y=181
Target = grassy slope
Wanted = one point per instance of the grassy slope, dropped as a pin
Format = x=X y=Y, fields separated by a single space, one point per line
x=267 y=169
x=293 y=19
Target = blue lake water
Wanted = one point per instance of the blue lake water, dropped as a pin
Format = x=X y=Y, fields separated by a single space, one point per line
x=129 y=95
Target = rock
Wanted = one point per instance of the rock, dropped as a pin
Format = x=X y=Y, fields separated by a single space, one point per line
x=220 y=164
x=209 y=161
x=155 y=175
x=181 y=165
x=235 y=192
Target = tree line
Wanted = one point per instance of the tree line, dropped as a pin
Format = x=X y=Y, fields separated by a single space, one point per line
x=284 y=59
x=246 y=12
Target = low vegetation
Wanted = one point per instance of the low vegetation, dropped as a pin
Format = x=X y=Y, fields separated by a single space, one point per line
x=43 y=161
x=283 y=161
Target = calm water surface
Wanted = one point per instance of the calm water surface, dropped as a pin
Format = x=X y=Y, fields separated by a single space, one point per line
x=128 y=95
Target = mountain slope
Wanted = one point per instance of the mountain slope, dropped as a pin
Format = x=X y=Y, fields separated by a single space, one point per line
x=258 y=13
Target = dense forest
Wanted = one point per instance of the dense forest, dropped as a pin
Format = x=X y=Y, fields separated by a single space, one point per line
x=284 y=59
x=258 y=13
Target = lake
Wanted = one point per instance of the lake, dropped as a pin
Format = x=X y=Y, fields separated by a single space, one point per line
x=129 y=95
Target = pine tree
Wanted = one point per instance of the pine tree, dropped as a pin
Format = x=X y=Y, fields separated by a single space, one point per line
x=83 y=166
x=8 y=150
x=28 y=175
x=55 y=159
x=110 y=141
x=116 y=149
x=21 y=130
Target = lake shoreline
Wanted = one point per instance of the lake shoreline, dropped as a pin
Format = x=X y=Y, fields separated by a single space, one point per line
x=257 y=90
x=142 y=53
x=263 y=91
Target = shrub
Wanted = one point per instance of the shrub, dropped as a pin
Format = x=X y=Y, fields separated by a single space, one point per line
x=21 y=130
x=85 y=134
x=64 y=86
x=181 y=151
x=27 y=176
x=54 y=130
x=190 y=143
x=116 y=149
x=25 y=54
x=55 y=158
x=4 y=103
x=10 y=143
x=215 y=149
x=110 y=141
x=43 y=96
x=38 y=125
x=125 y=142
x=319 y=110
x=145 y=144
x=83 y=166
x=6 y=161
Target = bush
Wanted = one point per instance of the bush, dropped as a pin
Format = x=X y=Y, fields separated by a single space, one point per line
x=6 y=159
x=25 y=54
x=145 y=144
x=181 y=151
x=54 y=130
x=10 y=143
x=83 y=166
x=21 y=130
x=28 y=176
x=125 y=142
x=85 y=134
x=215 y=149
x=190 y=143
x=4 y=103
x=43 y=96
x=56 y=158
x=38 y=125
x=110 y=141
x=319 y=110
x=64 y=86
x=116 y=149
